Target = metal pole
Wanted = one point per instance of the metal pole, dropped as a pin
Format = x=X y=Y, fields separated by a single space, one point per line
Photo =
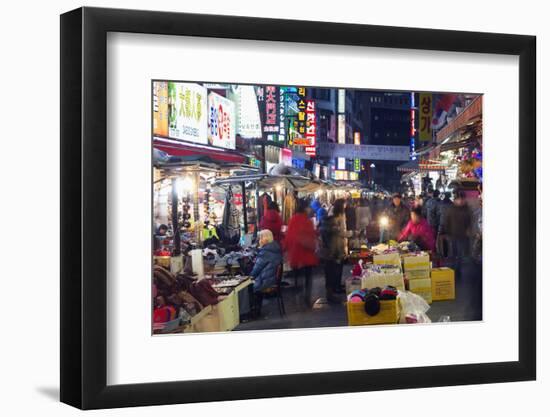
x=257 y=193
x=175 y=228
x=245 y=216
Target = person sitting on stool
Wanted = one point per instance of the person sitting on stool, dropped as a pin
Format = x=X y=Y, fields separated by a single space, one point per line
x=265 y=267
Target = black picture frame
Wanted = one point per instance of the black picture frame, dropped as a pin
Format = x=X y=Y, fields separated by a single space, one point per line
x=84 y=207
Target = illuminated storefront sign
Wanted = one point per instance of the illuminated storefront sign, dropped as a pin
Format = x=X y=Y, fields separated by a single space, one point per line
x=160 y=108
x=341 y=100
x=282 y=119
x=425 y=117
x=341 y=163
x=357 y=165
x=187 y=112
x=268 y=103
x=374 y=152
x=311 y=128
x=285 y=157
x=247 y=114
x=412 y=149
x=357 y=138
x=341 y=128
x=221 y=121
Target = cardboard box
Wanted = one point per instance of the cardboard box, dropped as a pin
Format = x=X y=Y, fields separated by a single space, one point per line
x=381 y=280
x=387 y=259
x=416 y=261
x=422 y=287
x=417 y=274
x=388 y=314
x=443 y=284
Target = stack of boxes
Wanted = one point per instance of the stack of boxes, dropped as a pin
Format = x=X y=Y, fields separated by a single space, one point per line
x=417 y=271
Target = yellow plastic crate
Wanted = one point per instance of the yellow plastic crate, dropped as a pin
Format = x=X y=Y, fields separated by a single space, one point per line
x=443 y=284
x=388 y=314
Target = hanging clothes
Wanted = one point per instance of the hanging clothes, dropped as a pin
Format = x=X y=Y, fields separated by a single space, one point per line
x=230 y=225
x=289 y=207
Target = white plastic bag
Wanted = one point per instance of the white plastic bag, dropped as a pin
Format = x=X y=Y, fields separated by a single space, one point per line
x=413 y=308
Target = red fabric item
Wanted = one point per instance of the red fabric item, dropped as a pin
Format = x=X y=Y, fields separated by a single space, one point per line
x=164 y=314
x=422 y=231
x=272 y=221
x=301 y=242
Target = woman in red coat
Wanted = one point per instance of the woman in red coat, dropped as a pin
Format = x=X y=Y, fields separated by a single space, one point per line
x=419 y=231
x=301 y=245
x=272 y=221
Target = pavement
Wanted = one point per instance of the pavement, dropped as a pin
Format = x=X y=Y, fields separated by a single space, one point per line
x=467 y=305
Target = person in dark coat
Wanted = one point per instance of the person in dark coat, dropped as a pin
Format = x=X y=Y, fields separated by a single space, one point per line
x=267 y=262
x=335 y=249
x=398 y=216
x=430 y=209
x=458 y=227
x=443 y=240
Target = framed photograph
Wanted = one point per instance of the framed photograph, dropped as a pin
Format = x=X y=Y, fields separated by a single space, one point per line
x=259 y=208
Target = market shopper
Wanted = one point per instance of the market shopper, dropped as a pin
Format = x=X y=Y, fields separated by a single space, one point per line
x=418 y=231
x=335 y=249
x=398 y=216
x=443 y=243
x=458 y=225
x=430 y=209
x=267 y=262
x=300 y=245
x=351 y=220
x=272 y=220
x=363 y=217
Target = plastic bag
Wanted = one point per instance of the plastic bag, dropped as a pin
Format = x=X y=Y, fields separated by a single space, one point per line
x=413 y=308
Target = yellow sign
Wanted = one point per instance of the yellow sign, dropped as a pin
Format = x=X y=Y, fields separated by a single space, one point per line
x=425 y=117
x=160 y=108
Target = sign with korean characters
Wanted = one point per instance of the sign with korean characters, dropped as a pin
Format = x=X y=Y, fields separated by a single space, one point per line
x=160 y=108
x=375 y=152
x=247 y=113
x=311 y=128
x=187 y=113
x=268 y=102
x=221 y=121
x=425 y=117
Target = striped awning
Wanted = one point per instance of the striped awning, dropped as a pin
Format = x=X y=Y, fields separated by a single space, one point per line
x=421 y=166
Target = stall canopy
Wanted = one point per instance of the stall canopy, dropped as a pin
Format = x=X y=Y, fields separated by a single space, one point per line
x=266 y=181
x=421 y=166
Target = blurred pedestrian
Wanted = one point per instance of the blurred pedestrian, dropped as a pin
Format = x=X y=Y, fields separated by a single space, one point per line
x=430 y=209
x=459 y=226
x=301 y=244
x=443 y=241
x=335 y=249
x=363 y=217
x=398 y=217
x=351 y=220
x=272 y=220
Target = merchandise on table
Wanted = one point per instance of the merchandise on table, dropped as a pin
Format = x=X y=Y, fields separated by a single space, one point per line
x=382 y=275
x=443 y=284
x=391 y=258
x=374 y=306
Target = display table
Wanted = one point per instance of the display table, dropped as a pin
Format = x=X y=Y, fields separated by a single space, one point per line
x=225 y=315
